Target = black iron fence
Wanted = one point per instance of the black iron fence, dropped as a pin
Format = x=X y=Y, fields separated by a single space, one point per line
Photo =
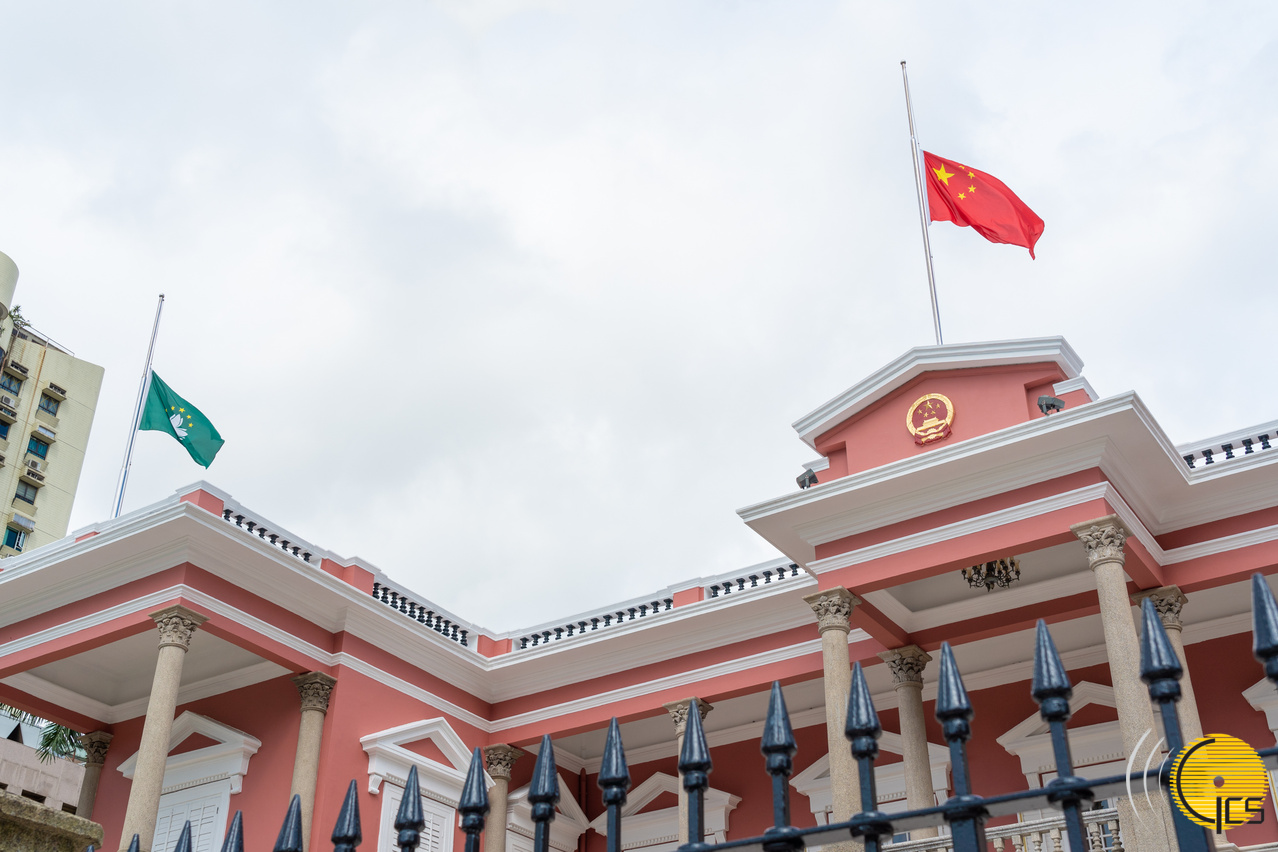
x=965 y=813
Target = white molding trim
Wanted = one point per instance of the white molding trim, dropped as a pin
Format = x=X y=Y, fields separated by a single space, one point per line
x=229 y=759
x=921 y=359
x=956 y=529
x=1262 y=696
x=389 y=760
x=1076 y=383
x=569 y=824
x=1031 y=740
x=648 y=687
x=113 y=713
x=889 y=780
x=993 y=520
x=662 y=826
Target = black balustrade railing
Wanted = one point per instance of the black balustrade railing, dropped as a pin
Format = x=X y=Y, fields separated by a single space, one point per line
x=590 y=623
x=965 y=813
x=421 y=613
x=753 y=580
x=275 y=539
x=1231 y=449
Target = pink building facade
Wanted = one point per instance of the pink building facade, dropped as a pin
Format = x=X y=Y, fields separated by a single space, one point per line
x=221 y=663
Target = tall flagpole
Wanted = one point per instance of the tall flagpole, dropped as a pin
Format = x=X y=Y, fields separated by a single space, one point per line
x=916 y=155
x=137 y=410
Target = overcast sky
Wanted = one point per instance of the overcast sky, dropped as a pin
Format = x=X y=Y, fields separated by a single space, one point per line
x=517 y=300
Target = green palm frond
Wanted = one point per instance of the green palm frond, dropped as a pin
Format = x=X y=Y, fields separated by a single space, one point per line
x=55 y=740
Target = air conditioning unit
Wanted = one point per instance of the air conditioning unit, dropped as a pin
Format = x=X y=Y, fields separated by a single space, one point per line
x=35 y=464
x=9 y=401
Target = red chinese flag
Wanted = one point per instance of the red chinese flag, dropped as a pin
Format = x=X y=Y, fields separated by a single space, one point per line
x=969 y=198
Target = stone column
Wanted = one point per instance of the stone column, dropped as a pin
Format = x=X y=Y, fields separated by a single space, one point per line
x=1169 y=600
x=907 y=666
x=678 y=711
x=177 y=625
x=315 y=689
x=498 y=760
x=833 y=609
x=1104 y=538
x=95 y=748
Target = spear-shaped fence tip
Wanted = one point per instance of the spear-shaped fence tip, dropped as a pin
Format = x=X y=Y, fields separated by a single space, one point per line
x=134 y=844
x=1158 y=660
x=234 y=840
x=410 y=821
x=694 y=757
x=474 y=796
x=1264 y=629
x=290 y=839
x=1050 y=678
x=862 y=719
x=347 y=833
x=545 y=780
x=184 y=839
x=614 y=775
x=951 y=696
x=778 y=738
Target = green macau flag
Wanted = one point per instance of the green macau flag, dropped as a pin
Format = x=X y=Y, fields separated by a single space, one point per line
x=165 y=411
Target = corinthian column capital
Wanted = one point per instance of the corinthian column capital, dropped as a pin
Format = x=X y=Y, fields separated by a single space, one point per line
x=678 y=711
x=95 y=746
x=500 y=759
x=906 y=664
x=315 y=688
x=1103 y=538
x=1168 y=601
x=177 y=625
x=833 y=608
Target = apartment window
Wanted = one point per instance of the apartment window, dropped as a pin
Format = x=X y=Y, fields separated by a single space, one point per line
x=36 y=447
x=4 y=429
x=49 y=404
x=11 y=383
x=27 y=491
x=14 y=538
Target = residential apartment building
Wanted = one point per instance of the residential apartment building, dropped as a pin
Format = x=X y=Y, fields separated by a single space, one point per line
x=47 y=399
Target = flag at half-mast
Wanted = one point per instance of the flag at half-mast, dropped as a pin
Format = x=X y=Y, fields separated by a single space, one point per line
x=165 y=411
x=971 y=198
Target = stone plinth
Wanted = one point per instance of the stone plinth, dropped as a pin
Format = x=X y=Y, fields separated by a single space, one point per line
x=30 y=827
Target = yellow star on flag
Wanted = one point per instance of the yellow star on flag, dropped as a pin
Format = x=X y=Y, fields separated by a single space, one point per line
x=942 y=175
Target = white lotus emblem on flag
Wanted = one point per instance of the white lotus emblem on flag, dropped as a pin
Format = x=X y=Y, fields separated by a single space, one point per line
x=176 y=420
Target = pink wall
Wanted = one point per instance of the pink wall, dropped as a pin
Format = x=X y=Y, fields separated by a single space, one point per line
x=985 y=400
x=360 y=706
x=268 y=711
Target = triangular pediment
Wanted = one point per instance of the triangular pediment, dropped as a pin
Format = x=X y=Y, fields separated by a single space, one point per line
x=648 y=826
x=1085 y=694
x=967 y=390
x=569 y=823
x=440 y=755
x=223 y=751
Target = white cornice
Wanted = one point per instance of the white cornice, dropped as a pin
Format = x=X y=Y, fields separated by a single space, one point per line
x=654 y=685
x=1076 y=383
x=1118 y=436
x=112 y=713
x=921 y=359
x=946 y=455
